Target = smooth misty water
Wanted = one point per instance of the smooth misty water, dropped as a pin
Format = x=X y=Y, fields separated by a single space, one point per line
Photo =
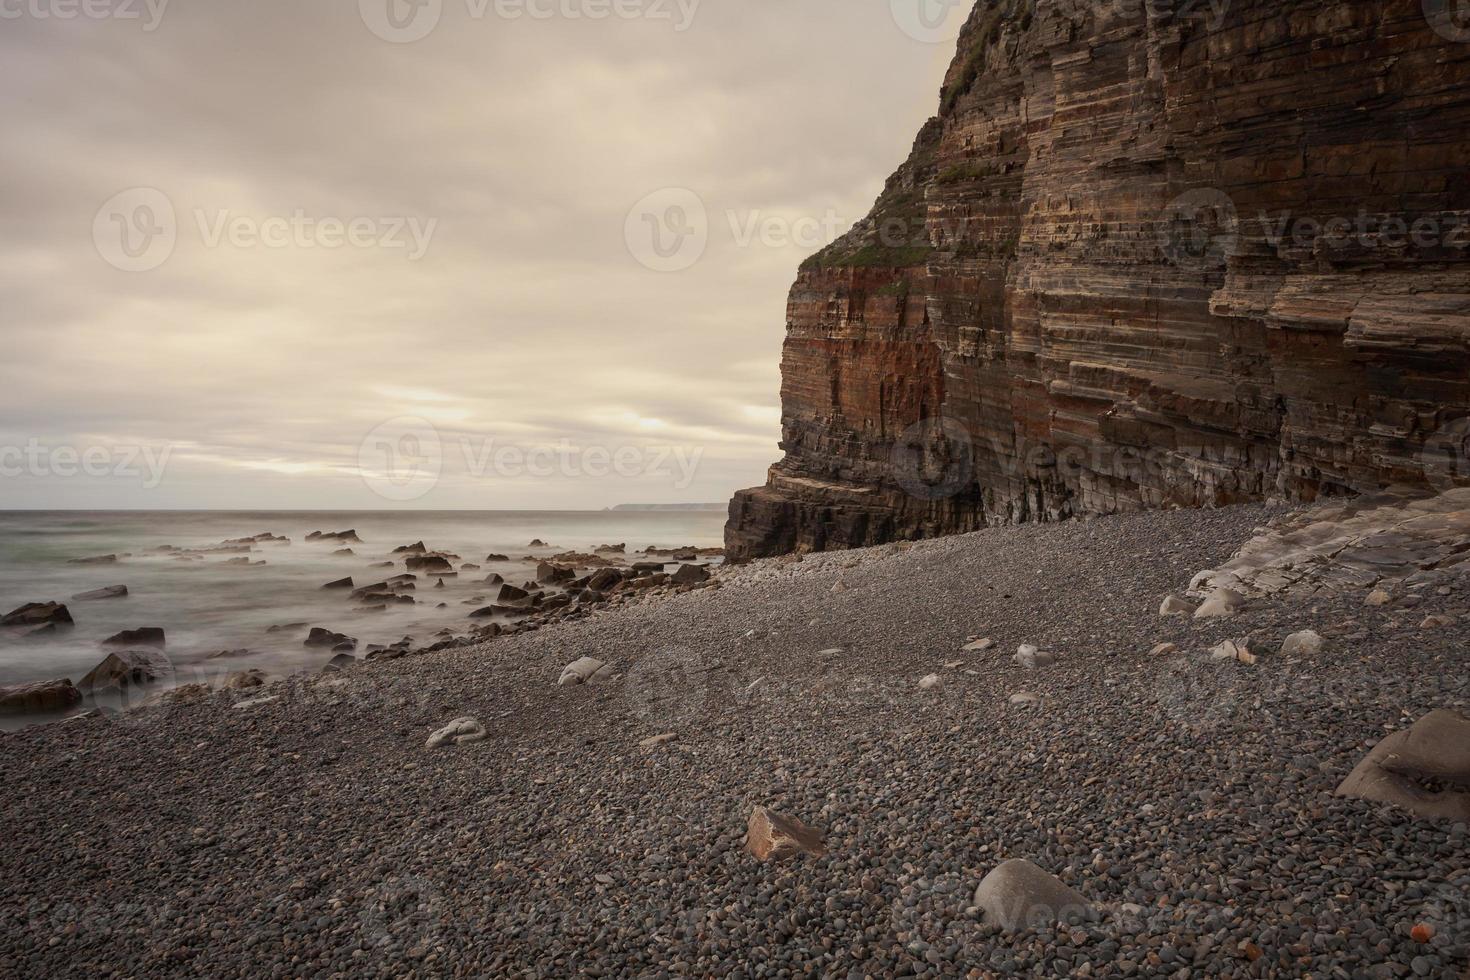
x=209 y=606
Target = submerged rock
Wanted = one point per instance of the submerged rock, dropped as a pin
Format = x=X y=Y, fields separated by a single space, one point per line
x=108 y=592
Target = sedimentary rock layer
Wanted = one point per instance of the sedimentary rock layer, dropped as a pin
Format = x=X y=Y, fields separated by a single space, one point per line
x=1147 y=255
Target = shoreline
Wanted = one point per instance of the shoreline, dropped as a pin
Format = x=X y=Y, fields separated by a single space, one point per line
x=308 y=827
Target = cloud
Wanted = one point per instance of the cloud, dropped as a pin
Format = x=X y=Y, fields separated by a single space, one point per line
x=266 y=362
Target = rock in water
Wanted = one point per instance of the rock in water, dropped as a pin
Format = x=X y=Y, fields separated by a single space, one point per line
x=1425 y=770
x=109 y=592
x=460 y=731
x=126 y=668
x=145 y=636
x=341 y=583
x=319 y=637
x=38 y=614
x=1018 y=895
x=770 y=836
x=586 y=670
x=57 y=695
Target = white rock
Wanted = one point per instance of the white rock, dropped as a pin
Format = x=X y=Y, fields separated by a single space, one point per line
x=1030 y=657
x=830 y=652
x=1378 y=597
x=587 y=670
x=979 y=646
x=1175 y=606
x=1024 y=697
x=1307 y=643
x=460 y=731
x=1221 y=603
x=931 y=683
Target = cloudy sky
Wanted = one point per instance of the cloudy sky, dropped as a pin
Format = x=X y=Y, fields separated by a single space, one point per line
x=452 y=254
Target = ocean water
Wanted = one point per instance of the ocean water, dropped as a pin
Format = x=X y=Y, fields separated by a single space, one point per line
x=208 y=606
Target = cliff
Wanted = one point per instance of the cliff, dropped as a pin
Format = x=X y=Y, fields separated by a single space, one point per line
x=1148 y=254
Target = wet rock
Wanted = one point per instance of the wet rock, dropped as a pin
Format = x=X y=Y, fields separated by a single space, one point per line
x=341 y=583
x=1018 y=895
x=126 y=668
x=509 y=595
x=144 y=636
x=772 y=836
x=109 y=592
x=460 y=731
x=604 y=579
x=428 y=563
x=95 y=560
x=1424 y=770
x=54 y=695
x=417 y=548
x=547 y=572
x=334 y=536
x=691 y=575
x=320 y=637
x=244 y=680
x=654 y=741
x=38 y=614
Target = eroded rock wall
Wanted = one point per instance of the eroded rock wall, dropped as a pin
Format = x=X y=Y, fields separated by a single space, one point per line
x=1149 y=254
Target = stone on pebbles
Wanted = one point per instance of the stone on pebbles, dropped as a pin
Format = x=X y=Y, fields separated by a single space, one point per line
x=1436 y=622
x=1024 y=697
x=1237 y=650
x=654 y=741
x=1425 y=769
x=771 y=836
x=586 y=670
x=1175 y=606
x=460 y=731
x=1220 y=604
x=979 y=646
x=1164 y=650
x=1030 y=657
x=1378 y=597
x=933 y=682
x=1018 y=895
x=1307 y=643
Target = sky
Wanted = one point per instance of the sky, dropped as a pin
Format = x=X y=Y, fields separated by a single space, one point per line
x=438 y=254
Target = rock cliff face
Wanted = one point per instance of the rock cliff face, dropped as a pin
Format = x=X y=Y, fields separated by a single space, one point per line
x=1151 y=253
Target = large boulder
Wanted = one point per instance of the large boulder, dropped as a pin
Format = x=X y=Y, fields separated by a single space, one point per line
x=108 y=592
x=124 y=669
x=773 y=836
x=511 y=596
x=1221 y=603
x=1175 y=606
x=326 y=638
x=341 y=583
x=57 y=695
x=604 y=579
x=38 y=614
x=428 y=563
x=143 y=636
x=1018 y=895
x=547 y=572
x=1424 y=769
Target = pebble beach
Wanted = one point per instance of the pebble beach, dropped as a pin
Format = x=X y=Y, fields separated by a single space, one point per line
x=306 y=829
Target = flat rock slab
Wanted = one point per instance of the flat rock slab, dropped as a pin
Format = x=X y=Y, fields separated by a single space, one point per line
x=1353 y=545
x=771 y=836
x=1018 y=895
x=1425 y=769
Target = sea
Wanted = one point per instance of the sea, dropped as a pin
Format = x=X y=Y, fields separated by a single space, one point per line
x=212 y=605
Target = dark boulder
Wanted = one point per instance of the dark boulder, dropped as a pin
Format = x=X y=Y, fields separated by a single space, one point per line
x=38 y=614
x=341 y=583
x=126 y=668
x=109 y=592
x=57 y=695
x=144 y=636
x=326 y=638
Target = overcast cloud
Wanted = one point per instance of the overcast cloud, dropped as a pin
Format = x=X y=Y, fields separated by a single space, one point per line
x=250 y=247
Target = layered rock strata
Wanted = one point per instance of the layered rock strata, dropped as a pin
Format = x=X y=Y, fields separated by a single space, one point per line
x=1147 y=255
